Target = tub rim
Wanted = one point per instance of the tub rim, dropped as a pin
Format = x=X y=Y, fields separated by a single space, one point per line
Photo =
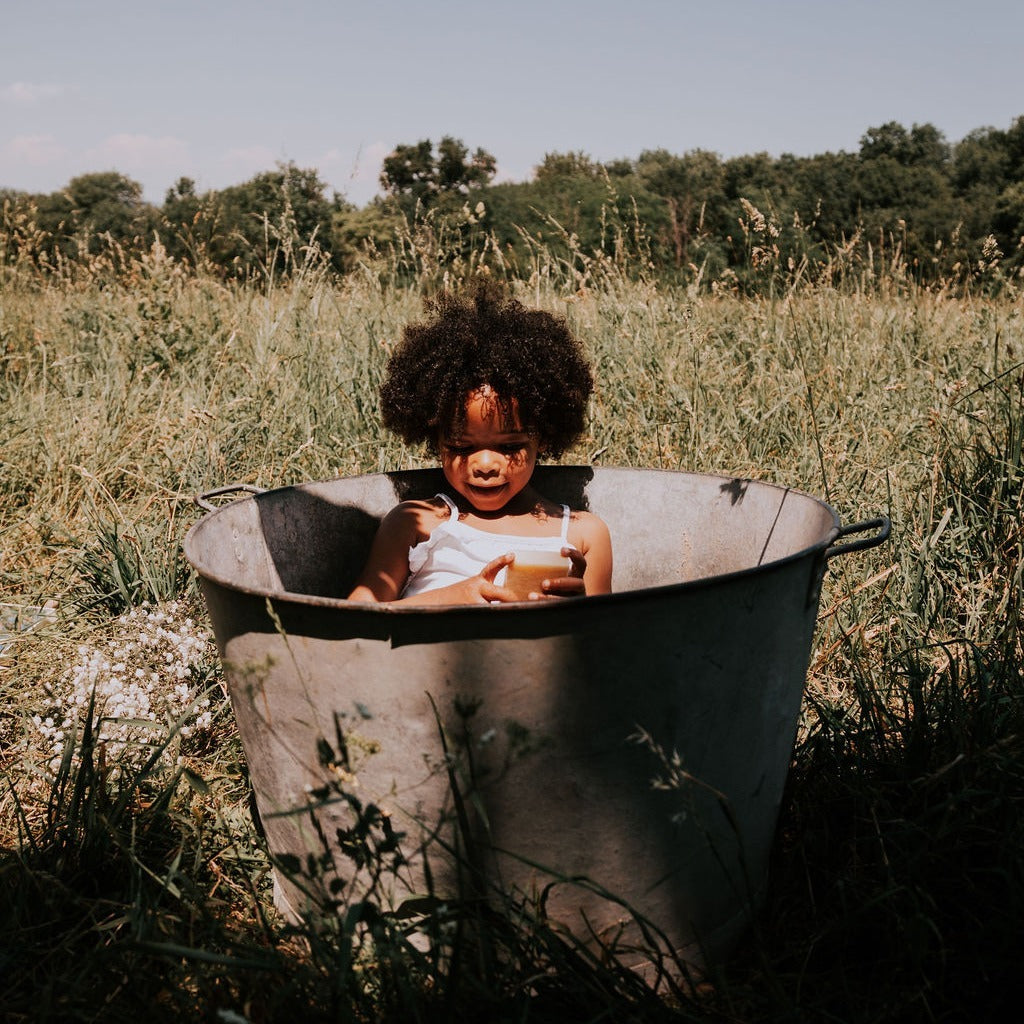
x=528 y=607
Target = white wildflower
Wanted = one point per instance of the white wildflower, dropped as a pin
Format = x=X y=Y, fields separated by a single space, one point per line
x=142 y=680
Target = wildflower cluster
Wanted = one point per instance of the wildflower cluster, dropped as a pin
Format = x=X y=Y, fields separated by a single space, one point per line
x=147 y=683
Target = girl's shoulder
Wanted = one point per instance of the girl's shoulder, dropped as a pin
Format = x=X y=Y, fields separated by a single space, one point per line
x=585 y=519
x=588 y=528
x=584 y=527
x=415 y=519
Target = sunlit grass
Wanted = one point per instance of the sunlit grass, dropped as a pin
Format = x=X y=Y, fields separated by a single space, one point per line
x=124 y=394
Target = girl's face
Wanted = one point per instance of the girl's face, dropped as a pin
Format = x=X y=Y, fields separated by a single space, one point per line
x=492 y=459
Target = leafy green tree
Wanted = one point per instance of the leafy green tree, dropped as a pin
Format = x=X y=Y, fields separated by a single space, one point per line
x=887 y=140
x=264 y=222
x=573 y=164
x=182 y=201
x=1014 y=142
x=927 y=147
x=980 y=159
x=410 y=170
x=824 y=193
x=924 y=144
x=95 y=208
x=573 y=210
x=753 y=174
x=620 y=168
x=692 y=189
x=978 y=172
x=457 y=171
x=416 y=172
x=1008 y=221
x=189 y=222
x=904 y=190
x=886 y=184
x=371 y=228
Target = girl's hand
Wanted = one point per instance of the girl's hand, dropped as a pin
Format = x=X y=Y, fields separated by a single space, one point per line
x=480 y=589
x=566 y=586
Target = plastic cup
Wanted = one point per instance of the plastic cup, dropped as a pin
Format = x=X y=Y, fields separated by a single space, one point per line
x=528 y=572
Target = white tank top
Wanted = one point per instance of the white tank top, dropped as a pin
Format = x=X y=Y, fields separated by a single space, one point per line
x=455 y=551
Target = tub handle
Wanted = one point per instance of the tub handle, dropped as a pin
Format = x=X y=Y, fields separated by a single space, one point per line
x=203 y=500
x=881 y=524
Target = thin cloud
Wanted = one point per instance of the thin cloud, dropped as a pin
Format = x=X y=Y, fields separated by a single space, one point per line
x=35 y=150
x=133 y=152
x=241 y=163
x=25 y=93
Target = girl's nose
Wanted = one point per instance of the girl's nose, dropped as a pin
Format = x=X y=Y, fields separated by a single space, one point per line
x=485 y=462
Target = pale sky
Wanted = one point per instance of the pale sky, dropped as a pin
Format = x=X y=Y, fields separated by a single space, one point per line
x=220 y=90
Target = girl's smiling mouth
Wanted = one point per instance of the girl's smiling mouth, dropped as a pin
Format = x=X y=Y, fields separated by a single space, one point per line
x=486 y=492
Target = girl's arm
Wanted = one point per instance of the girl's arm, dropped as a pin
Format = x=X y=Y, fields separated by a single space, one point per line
x=387 y=567
x=596 y=545
x=591 y=571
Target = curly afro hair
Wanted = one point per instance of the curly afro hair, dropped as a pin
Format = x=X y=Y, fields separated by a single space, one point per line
x=526 y=356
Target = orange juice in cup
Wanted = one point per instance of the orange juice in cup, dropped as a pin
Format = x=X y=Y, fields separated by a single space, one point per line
x=526 y=575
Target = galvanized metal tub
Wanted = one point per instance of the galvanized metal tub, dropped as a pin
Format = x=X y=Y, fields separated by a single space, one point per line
x=638 y=740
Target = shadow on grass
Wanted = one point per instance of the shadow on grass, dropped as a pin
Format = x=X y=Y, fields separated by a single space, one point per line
x=897 y=884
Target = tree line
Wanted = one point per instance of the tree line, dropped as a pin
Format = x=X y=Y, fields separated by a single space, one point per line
x=943 y=209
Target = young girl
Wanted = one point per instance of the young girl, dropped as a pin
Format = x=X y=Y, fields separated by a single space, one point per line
x=490 y=386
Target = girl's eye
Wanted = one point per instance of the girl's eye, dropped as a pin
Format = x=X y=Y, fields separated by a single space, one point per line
x=455 y=449
x=512 y=449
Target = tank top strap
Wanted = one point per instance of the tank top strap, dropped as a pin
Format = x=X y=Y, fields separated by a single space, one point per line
x=452 y=507
x=565 y=524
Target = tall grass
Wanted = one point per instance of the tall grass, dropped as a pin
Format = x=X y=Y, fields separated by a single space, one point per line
x=126 y=388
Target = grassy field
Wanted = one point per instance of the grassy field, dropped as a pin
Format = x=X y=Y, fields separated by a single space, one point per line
x=132 y=878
